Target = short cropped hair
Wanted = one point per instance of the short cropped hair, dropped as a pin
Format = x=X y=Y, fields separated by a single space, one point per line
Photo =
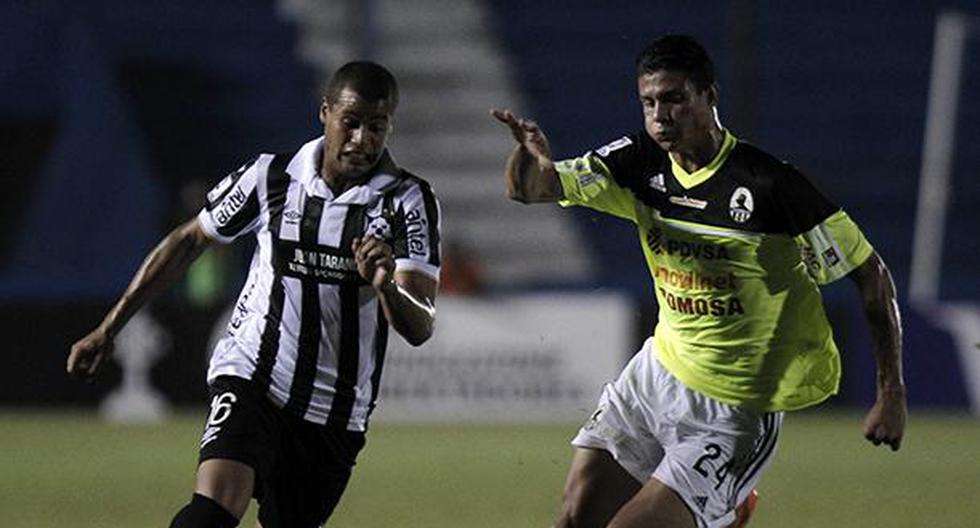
x=370 y=80
x=679 y=53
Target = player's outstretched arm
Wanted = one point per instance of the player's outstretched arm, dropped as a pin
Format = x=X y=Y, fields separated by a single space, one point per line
x=885 y=422
x=407 y=298
x=530 y=171
x=162 y=267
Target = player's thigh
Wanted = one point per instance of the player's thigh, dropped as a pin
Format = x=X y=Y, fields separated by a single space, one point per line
x=237 y=443
x=714 y=467
x=597 y=486
x=654 y=505
x=314 y=467
x=624 y=422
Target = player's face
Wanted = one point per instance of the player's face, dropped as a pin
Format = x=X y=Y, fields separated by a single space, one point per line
x=676 y=115
x=356 y=130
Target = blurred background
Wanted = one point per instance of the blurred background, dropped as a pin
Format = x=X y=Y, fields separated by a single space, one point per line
x=116 y=117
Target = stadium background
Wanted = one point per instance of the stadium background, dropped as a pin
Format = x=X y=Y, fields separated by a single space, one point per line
x=115 y=116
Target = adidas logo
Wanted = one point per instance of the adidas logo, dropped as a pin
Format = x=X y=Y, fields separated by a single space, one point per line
x=657 y=182
x=701 y=501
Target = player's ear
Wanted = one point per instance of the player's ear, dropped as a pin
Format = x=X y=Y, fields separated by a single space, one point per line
x=324 y=110
x=714 y=94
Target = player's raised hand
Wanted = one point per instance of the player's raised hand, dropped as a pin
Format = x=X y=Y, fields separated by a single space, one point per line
x=526 y=132
x=885 y=422
x=530 y=173
x=89 y=353
x=375 y=260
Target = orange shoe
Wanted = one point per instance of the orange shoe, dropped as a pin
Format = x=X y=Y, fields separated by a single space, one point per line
x=744 y=510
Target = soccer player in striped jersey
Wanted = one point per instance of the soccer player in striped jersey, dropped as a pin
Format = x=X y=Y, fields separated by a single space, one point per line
x=737 y=243
x=348 y=244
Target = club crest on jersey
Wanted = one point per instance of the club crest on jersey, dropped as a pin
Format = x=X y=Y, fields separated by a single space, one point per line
x=378 y=227
x=657 y=182
x=741 y=205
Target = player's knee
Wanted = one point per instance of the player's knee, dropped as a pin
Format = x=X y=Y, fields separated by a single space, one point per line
x=580 y=508
x=576 y=516
x=203 y=512
x=226 y=482
x=570 y=519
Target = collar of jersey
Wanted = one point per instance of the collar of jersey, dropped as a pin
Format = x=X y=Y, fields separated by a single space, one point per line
x=701 y=175
x=304 y=167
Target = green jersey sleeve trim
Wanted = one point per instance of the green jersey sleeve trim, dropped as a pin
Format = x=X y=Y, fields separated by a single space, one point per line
x=587 y=181
x=688 y=180
x=833 y=248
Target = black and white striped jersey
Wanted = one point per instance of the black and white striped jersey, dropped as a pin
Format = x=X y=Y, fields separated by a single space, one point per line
x=306 y=326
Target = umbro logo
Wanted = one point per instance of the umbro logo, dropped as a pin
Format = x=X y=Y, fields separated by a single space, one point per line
x=292 y=216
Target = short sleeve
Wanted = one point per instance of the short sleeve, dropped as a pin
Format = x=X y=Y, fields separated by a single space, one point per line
x=416 y=233
x=589 y=181
x=802 y=205
x=833 y=248
x=231 y=208
x=832 y=244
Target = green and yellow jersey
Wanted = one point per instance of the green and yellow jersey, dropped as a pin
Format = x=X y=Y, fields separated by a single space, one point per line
x=736 y=250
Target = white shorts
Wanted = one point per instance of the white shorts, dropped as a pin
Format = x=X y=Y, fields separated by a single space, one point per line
x=710 y=453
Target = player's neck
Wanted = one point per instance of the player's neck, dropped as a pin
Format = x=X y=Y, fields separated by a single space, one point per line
x=339 y=183
x=700 y=153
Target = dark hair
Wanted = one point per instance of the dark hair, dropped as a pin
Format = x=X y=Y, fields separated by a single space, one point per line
x=369 y=80
x=680 y=53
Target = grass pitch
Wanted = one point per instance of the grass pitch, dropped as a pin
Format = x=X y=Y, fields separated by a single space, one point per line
x=70 y=469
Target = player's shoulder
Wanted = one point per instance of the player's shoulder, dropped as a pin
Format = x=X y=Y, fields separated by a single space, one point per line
x=407 y=177
x=255 y=163
x=242 y=180
x=631 y=158
x=761 y=162
x=279 y=160
x=259 y=165
x=407 y=182
x=763 y=168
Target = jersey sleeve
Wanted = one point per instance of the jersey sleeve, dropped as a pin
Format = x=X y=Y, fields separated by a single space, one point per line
x=590 y=180
x=416 y=232
x=832 y=244
x=833 y=248
x=231 y=208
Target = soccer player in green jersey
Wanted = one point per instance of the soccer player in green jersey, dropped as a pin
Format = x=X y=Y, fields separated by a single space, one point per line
x=737 y=242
